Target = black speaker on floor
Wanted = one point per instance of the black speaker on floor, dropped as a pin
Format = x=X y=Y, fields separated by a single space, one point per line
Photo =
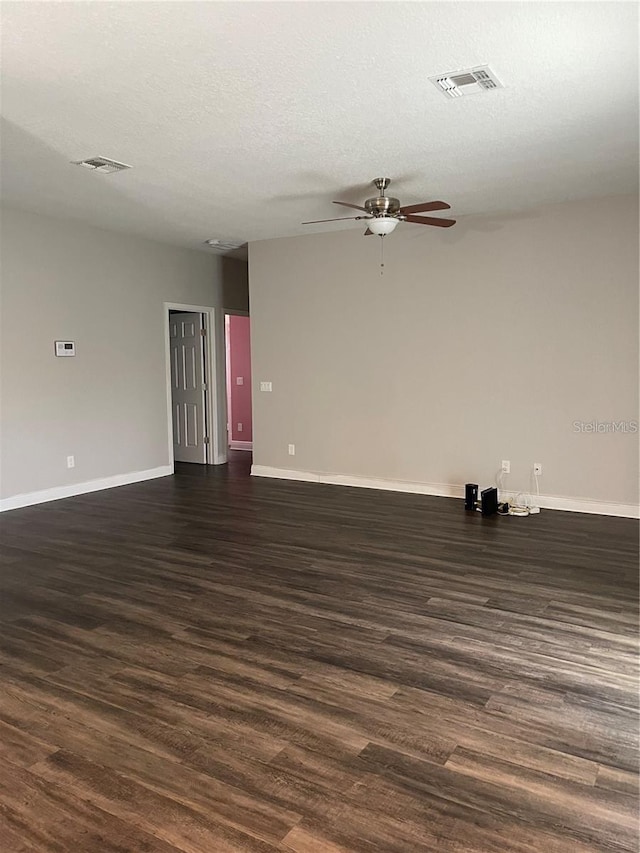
x=489 y=501
x=470 y=495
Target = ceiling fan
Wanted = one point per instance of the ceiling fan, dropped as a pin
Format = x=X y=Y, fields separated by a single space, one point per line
x=384 y=212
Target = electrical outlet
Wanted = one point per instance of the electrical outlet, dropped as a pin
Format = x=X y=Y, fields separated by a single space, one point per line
x=537 y=468
x=239 y=380
x=292 y=450
x=239 y=427
x=71 y=461
x=506 y=466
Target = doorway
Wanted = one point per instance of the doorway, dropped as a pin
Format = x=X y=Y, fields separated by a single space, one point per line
x=238 y=374
x=196 y=417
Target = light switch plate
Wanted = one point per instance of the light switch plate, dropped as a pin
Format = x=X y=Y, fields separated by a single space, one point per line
x=239 y=380
x=266 y=386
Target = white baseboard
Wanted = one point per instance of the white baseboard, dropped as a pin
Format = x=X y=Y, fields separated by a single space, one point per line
x=437 y=489
x=445 y=490
x=240 y=445
x=31 y=498
x=587 y=505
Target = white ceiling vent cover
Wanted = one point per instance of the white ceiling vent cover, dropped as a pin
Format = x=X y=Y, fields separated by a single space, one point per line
x=224 y=245
x=102 y=164
x=456 y=84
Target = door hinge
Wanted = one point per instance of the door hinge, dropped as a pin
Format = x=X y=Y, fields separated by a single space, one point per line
x=203 y=332
x=206 y=439
x=204 y=386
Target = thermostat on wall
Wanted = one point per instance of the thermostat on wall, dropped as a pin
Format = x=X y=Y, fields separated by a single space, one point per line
x=65 y=348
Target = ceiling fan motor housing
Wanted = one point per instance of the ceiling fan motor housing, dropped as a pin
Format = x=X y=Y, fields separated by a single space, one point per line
x=382 y=206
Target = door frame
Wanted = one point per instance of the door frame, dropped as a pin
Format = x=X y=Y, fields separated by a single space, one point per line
x=234 y=312
x=216 y=403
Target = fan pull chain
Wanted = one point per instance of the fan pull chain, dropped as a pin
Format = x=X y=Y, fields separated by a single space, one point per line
x=382 y=254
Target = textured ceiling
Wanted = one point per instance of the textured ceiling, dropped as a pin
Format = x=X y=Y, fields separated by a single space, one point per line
x=243 y=119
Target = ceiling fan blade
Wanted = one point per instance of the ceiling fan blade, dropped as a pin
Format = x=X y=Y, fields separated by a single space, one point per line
x=425 y=206
x=339 y=219
x=368 y=232
x=431 y=220
x=354 y=206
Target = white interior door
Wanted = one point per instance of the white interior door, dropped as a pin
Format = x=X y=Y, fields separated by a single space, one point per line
x=186 y=335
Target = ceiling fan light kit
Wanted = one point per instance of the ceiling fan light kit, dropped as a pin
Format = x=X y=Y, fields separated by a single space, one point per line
x=383 y=225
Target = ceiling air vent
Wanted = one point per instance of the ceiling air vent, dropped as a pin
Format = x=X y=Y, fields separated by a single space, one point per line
x=471 y=82
x=102 y=164
x=224 y=245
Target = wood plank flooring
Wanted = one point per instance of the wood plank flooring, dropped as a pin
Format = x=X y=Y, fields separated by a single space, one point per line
x=212 y=663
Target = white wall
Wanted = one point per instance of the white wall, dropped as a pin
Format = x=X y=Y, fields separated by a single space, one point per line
x=481 y=343
x=107 y=406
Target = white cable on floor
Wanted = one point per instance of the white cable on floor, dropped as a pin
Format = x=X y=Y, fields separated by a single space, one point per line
x=523 y=503
x=519 y=507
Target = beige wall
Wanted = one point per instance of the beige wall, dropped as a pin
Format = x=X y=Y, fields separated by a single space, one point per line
x=482 y=343
x=235 y=284
x=106 y=406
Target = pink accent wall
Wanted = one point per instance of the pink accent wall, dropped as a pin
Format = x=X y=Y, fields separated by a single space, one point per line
x=239 y=364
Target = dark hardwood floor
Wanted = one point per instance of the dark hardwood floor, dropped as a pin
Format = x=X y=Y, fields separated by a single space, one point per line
x=210 y=663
